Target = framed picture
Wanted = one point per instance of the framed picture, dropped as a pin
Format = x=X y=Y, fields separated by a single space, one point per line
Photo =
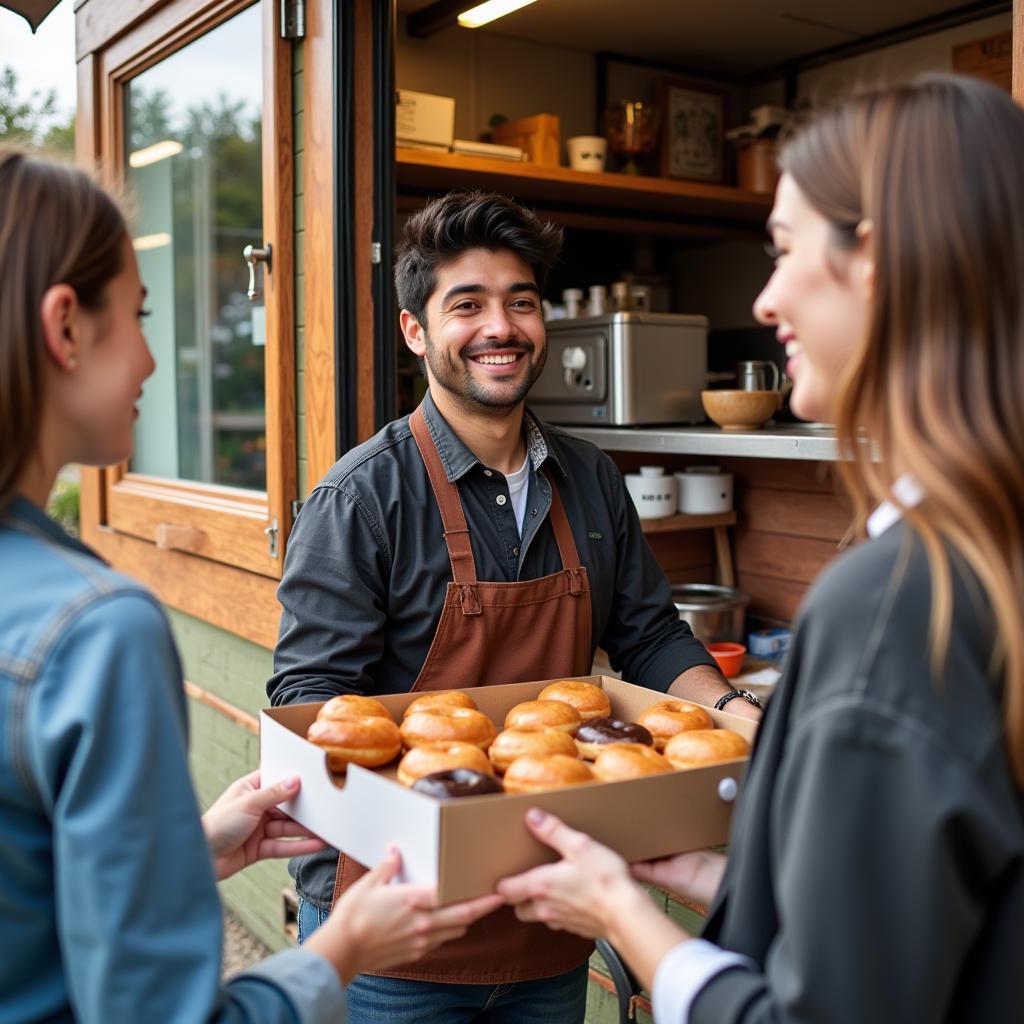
x=692 y=130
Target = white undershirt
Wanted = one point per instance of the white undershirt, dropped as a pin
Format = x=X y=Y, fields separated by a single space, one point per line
x=518 y=487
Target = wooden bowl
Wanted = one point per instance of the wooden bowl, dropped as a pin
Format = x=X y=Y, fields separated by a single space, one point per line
x=740 y=410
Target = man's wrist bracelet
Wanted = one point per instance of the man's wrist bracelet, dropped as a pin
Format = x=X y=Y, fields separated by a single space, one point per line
x=745 y=694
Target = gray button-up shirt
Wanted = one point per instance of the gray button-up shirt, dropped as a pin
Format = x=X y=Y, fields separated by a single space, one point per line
x=367 y=567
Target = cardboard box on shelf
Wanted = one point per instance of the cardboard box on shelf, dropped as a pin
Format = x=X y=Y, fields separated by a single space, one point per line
x=421 y=117
x=463 y=847
x=539 y=136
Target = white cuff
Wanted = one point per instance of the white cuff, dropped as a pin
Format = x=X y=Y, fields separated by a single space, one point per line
x=683 y=972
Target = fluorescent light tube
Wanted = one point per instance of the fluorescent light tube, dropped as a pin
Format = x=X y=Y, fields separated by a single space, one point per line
x=158 y=151
x=146 y=242
x=490 y=11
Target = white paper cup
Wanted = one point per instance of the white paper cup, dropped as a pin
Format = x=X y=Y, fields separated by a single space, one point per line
x=586 y=152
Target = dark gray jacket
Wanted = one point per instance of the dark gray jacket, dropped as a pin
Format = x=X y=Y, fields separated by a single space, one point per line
x=876 y=864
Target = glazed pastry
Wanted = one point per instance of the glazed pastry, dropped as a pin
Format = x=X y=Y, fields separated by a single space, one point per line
x=448 y=725
x=370 y=742
x=669 y=717
x=544 y=714
x=705 y=746
x=537 y=773
x=351 y=705
x=430 y=758
x=445 y=699
x=457 y=782
x=629 y=761
x=598 y=733
x=589 y=700
x=514 y=743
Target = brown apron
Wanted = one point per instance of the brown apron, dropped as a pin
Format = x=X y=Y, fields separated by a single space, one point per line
x=492 y=633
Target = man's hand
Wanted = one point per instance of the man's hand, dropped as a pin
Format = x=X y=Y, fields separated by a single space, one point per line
x=695 y=876
x=244 y=825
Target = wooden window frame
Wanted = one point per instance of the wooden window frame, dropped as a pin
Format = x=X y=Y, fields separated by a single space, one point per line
x=224 y=524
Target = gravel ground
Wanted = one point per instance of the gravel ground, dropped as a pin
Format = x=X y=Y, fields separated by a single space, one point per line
x=241 y=948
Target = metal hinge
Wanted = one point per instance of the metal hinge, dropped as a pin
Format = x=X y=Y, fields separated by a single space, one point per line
x=375 y=252
x=271 y=531
x=293 y=19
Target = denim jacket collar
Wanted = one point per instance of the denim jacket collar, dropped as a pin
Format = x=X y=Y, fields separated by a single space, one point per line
x=23 y=515
x=458 y=460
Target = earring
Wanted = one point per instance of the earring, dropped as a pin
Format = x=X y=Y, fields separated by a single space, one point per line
x=72 y=363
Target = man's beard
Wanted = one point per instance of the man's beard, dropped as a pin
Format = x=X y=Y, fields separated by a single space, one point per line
x=460 y=383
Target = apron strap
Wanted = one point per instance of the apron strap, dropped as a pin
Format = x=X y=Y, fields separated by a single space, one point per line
x=456 y=531
x=564 y=538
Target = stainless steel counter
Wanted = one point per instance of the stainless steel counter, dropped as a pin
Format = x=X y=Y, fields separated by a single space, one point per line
x=782 y=441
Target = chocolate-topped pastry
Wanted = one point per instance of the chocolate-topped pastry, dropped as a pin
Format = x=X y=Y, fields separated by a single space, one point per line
x=595 y=735
x=457 y=782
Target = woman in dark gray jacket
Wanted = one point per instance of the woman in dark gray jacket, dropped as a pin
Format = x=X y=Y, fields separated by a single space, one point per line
x=876 y=865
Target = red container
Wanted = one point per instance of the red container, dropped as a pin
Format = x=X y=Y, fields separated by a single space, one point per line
x=729 y=657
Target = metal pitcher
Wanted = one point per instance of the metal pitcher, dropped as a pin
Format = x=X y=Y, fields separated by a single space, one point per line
x=755 y=374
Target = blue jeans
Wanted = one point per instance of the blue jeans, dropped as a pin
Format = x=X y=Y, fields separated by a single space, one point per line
x=371 y=1000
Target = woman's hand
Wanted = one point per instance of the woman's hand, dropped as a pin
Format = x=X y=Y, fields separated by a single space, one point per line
x=694 y=876
x=376 y=925
x=581 y=893
x=244 y=825
x=590 y=892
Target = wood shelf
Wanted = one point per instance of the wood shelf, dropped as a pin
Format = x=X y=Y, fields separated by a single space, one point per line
x=425 y=171
x=669 y=524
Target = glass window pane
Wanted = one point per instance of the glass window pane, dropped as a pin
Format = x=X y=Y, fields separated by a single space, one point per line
x=193 y=125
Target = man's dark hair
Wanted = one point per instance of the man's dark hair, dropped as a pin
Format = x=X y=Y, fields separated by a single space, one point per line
x=449 y=226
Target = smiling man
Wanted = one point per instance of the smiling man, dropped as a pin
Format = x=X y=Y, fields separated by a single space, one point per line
x=467 y=545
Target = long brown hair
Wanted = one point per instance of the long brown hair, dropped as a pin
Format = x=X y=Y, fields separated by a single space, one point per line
x=937 y=382
x=56 y=227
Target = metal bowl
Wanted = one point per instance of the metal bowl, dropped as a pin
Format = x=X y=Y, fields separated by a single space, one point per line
x=713 y=612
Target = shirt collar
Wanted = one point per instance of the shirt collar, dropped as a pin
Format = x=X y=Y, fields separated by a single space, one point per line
x=23 y=515
x=907 y=493
x=458 y=460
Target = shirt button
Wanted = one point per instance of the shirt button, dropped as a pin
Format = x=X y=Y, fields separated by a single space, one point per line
x=487 y=472
x=501 y=499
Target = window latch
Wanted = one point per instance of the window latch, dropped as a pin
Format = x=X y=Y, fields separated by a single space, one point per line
x=271 y=531
x=252 y=256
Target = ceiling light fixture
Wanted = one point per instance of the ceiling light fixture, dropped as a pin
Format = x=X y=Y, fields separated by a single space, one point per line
x=446 y=13
x=489 y=11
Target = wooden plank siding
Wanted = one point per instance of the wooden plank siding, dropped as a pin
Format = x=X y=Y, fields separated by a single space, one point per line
x=791 y=519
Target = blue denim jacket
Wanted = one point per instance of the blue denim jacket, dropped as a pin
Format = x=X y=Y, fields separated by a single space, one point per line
x=108 y=905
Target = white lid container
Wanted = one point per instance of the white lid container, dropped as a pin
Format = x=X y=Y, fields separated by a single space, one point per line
x=652 y=491
x=704 y=490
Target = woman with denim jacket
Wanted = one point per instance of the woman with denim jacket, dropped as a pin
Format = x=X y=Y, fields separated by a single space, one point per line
x=108 y=904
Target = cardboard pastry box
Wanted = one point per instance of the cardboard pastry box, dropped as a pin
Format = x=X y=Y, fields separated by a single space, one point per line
x=463 y=847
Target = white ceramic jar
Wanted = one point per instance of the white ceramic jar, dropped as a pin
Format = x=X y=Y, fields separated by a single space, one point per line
x=703 y=490
x=652 y=491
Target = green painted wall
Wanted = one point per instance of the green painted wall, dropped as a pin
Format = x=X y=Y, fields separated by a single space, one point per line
x=221 y=751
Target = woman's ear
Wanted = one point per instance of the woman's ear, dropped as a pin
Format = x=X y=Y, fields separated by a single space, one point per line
x=866 y=238
x=414 y=333
x=60 y=314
